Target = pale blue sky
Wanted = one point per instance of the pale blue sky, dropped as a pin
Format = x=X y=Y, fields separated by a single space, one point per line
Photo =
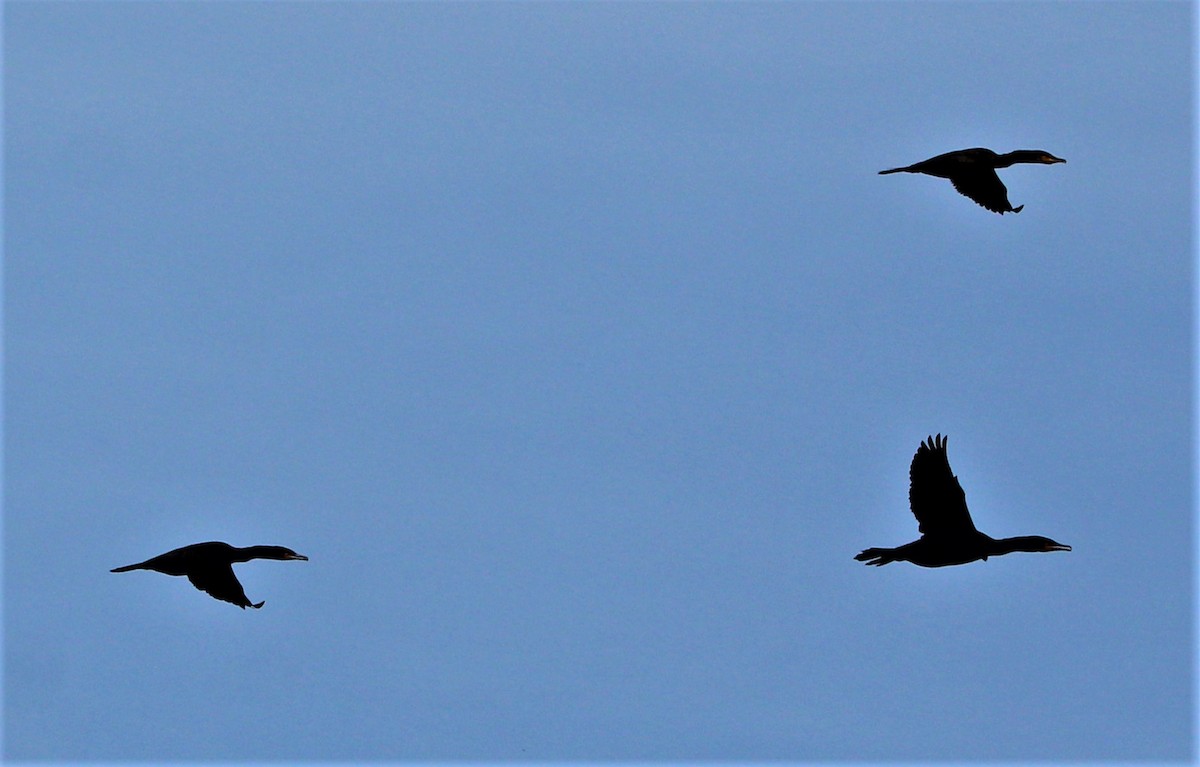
x=580 y=347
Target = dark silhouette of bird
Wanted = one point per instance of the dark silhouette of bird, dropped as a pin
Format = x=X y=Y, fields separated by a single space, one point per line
x=973 y=173
x=209 y=566
x=948 y=536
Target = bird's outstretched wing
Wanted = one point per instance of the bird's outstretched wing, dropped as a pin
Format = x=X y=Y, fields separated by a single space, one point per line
x=984 y=187
x=937 y=500
x=219 y=581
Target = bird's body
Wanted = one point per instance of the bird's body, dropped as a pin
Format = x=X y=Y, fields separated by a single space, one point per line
x=948 y=536
x=973 y=173
x=209 y=566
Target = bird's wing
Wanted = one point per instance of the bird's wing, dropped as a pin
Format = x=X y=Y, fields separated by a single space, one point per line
x=219 y=581
x=937 y=500
x=984 y=187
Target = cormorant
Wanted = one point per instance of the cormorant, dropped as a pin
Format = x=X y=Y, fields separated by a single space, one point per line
x=209 y=566
x=973 y=173
x=948 y=536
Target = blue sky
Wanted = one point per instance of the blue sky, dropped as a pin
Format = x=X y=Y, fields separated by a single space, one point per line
x=580 y=347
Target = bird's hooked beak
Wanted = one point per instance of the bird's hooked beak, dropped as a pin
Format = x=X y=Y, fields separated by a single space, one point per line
x=1051 y=159
x=1052 y=546
x=295 y=556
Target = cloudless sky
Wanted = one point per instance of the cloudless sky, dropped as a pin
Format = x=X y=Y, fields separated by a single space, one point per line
x=580 y=347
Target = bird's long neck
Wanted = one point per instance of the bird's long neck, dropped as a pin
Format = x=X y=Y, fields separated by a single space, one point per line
x=1001 y=546
x=1020 y=155
x=245 y=554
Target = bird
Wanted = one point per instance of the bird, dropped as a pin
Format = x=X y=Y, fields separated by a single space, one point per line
x=973 y=173
x=948 y=536
x=209 y=566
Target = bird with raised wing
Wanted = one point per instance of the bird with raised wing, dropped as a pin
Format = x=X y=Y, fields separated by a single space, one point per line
x=209 y=566
x=948 y=536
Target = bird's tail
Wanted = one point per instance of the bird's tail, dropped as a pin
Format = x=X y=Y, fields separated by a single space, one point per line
x=1017 y=209
x=257 y=606
x=127 y=568
x=877 y=557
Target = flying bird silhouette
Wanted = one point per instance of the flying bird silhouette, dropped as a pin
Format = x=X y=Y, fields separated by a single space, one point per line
x=948 y=536
x=973 y=173
x=209 y=566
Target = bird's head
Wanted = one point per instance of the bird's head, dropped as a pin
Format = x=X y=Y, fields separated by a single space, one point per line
x=1037 y=543
x=280 y=552
x=1027 y=156
x=1038 y=155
